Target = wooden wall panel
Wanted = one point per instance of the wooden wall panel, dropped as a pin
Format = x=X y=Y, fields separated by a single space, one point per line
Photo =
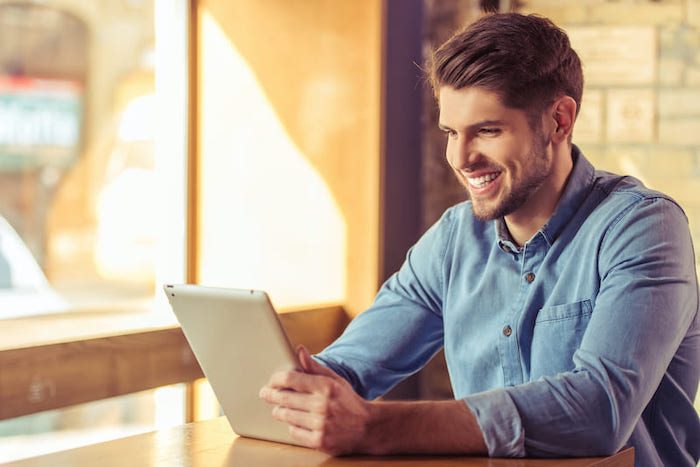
x=55 y=375
x=34 y=379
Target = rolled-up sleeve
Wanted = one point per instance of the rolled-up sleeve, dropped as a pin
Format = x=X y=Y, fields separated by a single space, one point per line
x=500 y=424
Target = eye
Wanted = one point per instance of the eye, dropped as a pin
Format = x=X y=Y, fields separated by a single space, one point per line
x=449 y=132
x=489 y=131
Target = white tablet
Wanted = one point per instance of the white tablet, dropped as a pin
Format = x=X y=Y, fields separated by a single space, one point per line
x=239 y=342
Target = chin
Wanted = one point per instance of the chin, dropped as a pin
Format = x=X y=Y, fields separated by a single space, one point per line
x=487 y=214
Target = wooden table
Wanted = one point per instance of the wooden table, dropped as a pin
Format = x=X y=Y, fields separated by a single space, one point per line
x=211 y=443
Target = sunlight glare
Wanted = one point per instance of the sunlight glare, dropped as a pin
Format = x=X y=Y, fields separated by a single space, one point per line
x=269 y=220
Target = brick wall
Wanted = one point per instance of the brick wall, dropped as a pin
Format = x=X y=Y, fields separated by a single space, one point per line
x=643 y=121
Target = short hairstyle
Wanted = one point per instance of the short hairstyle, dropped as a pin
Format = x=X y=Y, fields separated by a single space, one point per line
x=526 y=59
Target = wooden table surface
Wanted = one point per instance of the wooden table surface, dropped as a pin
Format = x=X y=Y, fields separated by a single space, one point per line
x=211 y=443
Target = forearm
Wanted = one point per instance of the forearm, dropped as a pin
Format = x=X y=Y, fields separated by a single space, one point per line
x=417 y=427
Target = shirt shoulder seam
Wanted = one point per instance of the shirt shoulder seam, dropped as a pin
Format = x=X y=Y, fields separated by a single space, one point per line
x=639 y=198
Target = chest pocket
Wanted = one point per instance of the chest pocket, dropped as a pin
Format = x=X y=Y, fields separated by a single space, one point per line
x=557 y=334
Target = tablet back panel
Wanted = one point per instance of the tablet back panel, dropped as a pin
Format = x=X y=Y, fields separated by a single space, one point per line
x=239 y=342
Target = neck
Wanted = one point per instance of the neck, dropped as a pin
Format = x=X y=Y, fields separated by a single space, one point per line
x=524 y=223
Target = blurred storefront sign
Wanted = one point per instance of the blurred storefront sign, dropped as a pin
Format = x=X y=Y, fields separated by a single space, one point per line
x=40 y=122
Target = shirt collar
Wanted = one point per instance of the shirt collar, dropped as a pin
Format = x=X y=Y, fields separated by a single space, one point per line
x=577 y=188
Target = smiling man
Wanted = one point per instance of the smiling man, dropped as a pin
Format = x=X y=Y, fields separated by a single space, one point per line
x=508 y=167
x=566 y=298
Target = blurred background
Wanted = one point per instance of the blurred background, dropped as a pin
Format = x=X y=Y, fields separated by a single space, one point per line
x=287 y=145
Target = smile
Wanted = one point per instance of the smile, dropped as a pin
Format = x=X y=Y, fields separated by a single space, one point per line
x=480 y=182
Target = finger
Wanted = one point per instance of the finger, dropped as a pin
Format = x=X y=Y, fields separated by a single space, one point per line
x=312 y=366
x=305 y=437
x=316 y=439
x=299 y=418
x=300 y=382
x=294 y=400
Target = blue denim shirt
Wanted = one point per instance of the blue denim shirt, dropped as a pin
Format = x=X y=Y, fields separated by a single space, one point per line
x=582 y=341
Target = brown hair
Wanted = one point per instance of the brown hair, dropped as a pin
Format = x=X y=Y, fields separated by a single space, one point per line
x=527 y=60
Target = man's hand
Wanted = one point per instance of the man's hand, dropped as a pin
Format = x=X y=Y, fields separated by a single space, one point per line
x=325 y=413
x=322 y=409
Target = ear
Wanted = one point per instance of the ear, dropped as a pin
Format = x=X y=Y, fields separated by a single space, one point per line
x=564 y=115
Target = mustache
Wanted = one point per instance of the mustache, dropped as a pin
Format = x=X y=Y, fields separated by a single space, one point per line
x=482 y=166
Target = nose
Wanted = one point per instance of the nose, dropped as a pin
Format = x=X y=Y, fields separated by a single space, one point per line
x=461 y=153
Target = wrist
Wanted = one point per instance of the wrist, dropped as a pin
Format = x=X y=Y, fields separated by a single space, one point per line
x=389 y=427
x=374 y=440
x=420 y=427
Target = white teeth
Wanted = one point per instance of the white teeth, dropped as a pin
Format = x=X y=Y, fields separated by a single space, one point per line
x=478 y=182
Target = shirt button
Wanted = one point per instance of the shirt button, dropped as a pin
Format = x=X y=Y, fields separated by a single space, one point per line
x=505 y=248
x=529 y=277
x=507 y=331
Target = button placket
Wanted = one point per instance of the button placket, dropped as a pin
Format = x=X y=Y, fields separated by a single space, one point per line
x=530 y=258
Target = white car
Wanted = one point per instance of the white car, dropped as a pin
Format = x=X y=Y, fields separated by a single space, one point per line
x=24 y=289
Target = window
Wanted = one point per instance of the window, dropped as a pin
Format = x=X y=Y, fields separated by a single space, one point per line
x=92 y=198
x=284 y=195
x=77 y=154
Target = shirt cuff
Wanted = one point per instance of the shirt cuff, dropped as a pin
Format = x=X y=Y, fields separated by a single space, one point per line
x=499 y=421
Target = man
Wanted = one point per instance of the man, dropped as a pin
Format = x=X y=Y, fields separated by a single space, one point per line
x=566 y=298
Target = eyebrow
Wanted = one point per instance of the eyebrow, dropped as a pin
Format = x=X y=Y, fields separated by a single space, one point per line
x=473 y=126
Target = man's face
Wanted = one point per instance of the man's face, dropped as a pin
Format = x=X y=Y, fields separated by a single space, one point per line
x=493 y=151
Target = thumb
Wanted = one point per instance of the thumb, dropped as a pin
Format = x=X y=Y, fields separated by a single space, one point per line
x=310 y=365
